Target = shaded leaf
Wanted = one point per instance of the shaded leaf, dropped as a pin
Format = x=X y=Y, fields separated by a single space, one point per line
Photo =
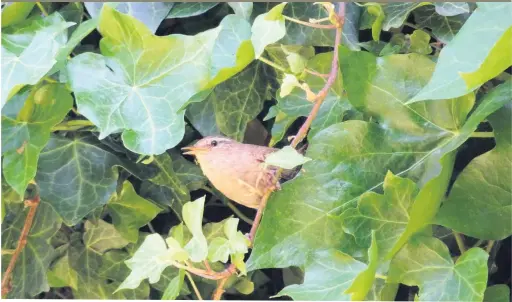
x=444 y=28
x=497 y=293
x=77 y=176
x=149 y=13
x=130 y=212
x=190 y=9
x=24 y=136
x=189 y=173
x=61 y=274
x=459 y=71
x=102 y=237
x=426 y=262
x=173 y=289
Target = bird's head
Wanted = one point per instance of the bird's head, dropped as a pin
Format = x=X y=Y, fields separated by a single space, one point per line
x=209 y=145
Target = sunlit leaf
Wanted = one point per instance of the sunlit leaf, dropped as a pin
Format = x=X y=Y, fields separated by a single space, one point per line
x=102 y=237
x=425 y=262
x=287 y=158
x=26 y=134
x=190 y=9
x=268 y=28
x=243 y=9
x=197 y=247
x=15 y=12
x=451 y=8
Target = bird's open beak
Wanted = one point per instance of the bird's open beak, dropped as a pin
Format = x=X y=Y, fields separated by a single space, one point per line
x=193 y=150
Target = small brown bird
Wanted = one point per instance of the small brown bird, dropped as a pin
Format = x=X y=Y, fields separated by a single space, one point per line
x=235 y=169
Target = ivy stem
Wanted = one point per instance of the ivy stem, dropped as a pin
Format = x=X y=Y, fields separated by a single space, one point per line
x=322 y=75
x=482 y=134
x=217 y=294
x=194 y=286
x=320 y=26
x=22 y=241
x=379 y=276
x=151 y=229
x=41 y=7
x=460 y=242
x=477 y=244
x=239 y=213
x=490 y=244
x=268 y=62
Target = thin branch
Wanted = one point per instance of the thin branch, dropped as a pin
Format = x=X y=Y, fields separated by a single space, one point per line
x=460 y=242
x=490 y=244
x=198 y=294
x=322 y=75
x=22 y=241
x=319 y=26
x=239 y=213
x=217 y=294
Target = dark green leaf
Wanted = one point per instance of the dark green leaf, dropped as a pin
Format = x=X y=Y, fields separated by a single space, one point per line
x=102 y=237
x=497 y=293
x=173 y=289
x=190 y=9
x=443 y=28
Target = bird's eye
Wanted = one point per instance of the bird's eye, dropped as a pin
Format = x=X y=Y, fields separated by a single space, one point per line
x=214 y=143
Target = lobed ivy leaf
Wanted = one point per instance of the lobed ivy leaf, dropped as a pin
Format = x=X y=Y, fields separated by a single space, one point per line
x=29 y=50
x=420 y=42
x=197 y=247
x=479 y=203
x=130 y=212
x=451 y=8
x=444 y=28
x=78 y=175
x=327 y=277
x=189 y=173
x=426 y=262
x=190 y=9
x=243 y=9
x=392 y=15
x=149 y=13
x=113 y=265
x=202 y=117
x=26 y=134
x=29 y=277
x=173 y=289
x=286 y=158
x=459 y=71
x=268 y=28
x=102 y=237
x=61 y=274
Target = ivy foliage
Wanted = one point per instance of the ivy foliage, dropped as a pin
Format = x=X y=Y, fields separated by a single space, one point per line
x=403 y=190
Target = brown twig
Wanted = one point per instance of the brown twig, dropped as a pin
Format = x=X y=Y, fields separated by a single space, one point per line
x=22 y=241
x=301 y=134
x=322 y=75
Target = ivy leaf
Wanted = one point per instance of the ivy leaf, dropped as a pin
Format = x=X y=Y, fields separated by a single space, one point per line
x=190 y=9
x=327 y=277
x=395 y=15
x=189 y=173
x=197 y=247
x=268 y=28
x=364 y=281
x=130 y=212
x=497 y=293
x=444 y=28
x=426 y=262
x=202 y=117
x=173 y=289
x=451 y=8
x=62 y=274
x=459 y=71
x=24 y=136
x=15 y=12
x=243 y=9
x=29 y=277
x=77 y=176
x=239 y=100
x=420 y=42
x=387 y=215
x=286 y=158
x=479 y=202
x=102 y=237
x=149 y=13
x=148 y=262
x=29 y=51
x=113 y=265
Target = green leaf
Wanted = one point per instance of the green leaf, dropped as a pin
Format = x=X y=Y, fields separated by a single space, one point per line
x=394 y=15
x=497 y=293
x=173 y=289
x=479 y=204
x=24 y=136
x=197 y=247
x=363 y=282
x=102 y=237
x=15 y=12
x=451 y=8
x=190 y=9
x=243 y=9
x=327 y=277
x=268 y=28
x=113 y=265
x=130 y=212
x=386 y=214
x=202 y=117
x=420 y=42
x=239 y=100
x=61 y=274
x=149 y=13
x=189 y=173
x=148 y=86
x=175 y=193
x=77 y=176
x=148 y=262
x=286 y=158
x=219 y=250
x=444 y=28
x=426 y=262
x=459 y=71
x=29 y=51
x=29 y=277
